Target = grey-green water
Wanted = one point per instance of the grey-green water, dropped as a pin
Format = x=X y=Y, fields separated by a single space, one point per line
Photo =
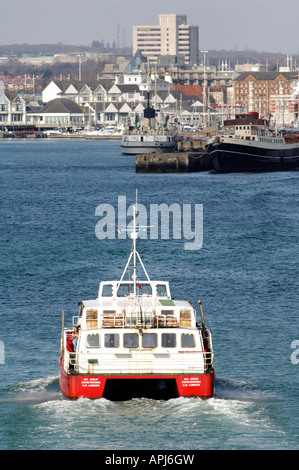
x=246 y=275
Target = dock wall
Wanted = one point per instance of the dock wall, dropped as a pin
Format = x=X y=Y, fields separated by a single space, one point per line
x=180 y=162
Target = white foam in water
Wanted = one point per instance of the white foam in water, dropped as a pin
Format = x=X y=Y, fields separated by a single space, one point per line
x=71 y=408
x=38 y=390
x=231 y=389
x=37 y=384
x=54 y=415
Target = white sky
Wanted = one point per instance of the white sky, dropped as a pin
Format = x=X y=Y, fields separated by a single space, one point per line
x=263 y=25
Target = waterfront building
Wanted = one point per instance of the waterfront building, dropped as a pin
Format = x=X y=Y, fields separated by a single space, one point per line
x=51 y=91
x=172 y=36
x=271 y=94
x=95 y=104
x=12 y=109
x=62 y=112
x=136 y=64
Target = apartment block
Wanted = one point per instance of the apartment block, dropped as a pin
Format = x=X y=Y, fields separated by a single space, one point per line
x=172 y=36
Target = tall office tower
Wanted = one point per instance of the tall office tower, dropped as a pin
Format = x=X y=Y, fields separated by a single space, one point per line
x=172 y=36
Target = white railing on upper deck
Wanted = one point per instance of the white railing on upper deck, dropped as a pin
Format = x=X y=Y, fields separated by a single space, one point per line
x=142 y=320
x=122 y=362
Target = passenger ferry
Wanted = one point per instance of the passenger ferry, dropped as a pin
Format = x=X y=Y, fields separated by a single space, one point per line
x=135 y=340
x=247 y=143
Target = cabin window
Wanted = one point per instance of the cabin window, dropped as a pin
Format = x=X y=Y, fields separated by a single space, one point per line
x=144 y=288
x=107 y=290
x=167 y=312
x=128 y=288
x=149 y=340
x=131 y=340
x=125 y=289
x=93 y=341
x=111 y=340
x=168 y=340
x=187 y=340
x=161 y=290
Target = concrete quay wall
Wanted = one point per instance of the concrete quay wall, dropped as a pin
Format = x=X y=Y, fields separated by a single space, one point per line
x=180 y=162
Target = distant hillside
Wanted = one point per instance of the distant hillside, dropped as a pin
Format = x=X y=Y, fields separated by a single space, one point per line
x=213 y=56
x=94 y=66
x=37 y=49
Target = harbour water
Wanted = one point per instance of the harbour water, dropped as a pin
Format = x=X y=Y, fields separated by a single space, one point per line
x=246 y=275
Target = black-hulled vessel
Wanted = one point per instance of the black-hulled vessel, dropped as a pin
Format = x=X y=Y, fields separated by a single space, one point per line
x=247 y=143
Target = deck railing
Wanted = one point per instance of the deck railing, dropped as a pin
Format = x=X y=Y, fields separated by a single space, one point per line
x=158 y=362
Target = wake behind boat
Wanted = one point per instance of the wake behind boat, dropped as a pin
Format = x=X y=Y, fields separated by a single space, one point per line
x=247 y=143
x=134 y=339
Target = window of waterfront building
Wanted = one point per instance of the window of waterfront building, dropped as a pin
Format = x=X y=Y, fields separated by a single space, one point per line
x=187 y=340
x=110 y=116
x=149 y=340
x=16 y=117
x=93 y=341
x=131 y=340
x=76 y=119
x=114 y=97
x=111 y=340
x=56 y=120
x=168 y=340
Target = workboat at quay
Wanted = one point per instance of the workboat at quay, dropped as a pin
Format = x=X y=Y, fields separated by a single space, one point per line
x=159 y=140
x=135 y=340
x=150 y=135
x=149 y=139
x=247 y=143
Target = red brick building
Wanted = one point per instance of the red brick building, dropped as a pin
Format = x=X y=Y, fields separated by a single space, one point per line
x=272 y=94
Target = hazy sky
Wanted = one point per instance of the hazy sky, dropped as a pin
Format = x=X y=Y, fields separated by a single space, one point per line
x=263 y=25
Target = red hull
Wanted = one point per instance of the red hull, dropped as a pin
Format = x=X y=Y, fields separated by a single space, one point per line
x=92 y=386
